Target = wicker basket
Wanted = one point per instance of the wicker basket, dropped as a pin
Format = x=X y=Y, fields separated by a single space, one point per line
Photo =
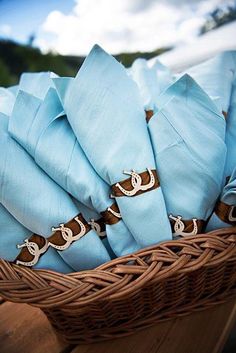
x=132 y=292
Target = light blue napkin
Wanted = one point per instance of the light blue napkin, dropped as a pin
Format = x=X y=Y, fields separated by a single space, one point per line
x=37 y=83
x=61 y=85
x=152 y=80
x=104 y=108
x=230 y=137
x=42 y=128
x=13 y=89
x=216 y=76
x=188 y=134
x=12 y=234
x=225 y=210
x=7 y=100
x=38 y=203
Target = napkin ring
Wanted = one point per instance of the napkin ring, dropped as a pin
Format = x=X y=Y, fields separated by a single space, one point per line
x=226 y=213
x=149 y=114
x=185 y=228
x=98 y=226
x=225 y=114
x=137 y=183
x=64 y=235
x=112 y=214
x=31 y=250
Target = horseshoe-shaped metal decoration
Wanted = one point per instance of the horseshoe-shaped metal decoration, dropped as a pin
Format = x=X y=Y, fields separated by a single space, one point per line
x=68 y=235
x=116 y=214
x=136 y=182
x=179 y=226
x=97 y=228
x=34 y=250
x=231 y=218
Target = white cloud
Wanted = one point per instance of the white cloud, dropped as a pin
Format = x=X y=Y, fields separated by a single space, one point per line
x=122 y=25
x=5 y=30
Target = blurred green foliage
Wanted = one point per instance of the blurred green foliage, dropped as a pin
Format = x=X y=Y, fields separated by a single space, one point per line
x=16 y=58
x=128 y=58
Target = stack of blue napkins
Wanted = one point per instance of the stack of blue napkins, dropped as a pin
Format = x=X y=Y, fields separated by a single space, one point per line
x=115 y=160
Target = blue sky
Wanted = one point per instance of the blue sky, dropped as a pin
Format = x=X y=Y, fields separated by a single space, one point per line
x=74 y=26
x=26 y=16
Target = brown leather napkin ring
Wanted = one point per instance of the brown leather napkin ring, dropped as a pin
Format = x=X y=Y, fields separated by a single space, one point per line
x=31 y=250
x=226 y=213
x=67 y=233
x=137 y=183
x=186 y=227
x=112 y=214
x=149 y=114
x=98 y=226
x=62 y=237
x=225 y=114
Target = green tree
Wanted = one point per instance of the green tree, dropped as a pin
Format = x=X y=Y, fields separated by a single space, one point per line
x=5 y=77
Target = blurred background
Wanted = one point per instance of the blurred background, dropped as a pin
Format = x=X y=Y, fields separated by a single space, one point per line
x=55 y=35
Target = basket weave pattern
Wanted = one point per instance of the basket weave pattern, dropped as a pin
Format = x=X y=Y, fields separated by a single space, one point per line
x=131 y=292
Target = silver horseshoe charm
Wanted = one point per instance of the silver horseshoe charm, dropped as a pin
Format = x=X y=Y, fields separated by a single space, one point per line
x=179 y=226
x=34 y=250
x=231 y=218
x=97 y=228
x=116 y=214
x=136 y=182
x=67 y=235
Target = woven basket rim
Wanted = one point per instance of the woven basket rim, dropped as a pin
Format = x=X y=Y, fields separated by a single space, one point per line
x=118 y=277
x=131 y=292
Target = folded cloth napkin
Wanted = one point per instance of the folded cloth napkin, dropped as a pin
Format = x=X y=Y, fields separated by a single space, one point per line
x=225 y=210
x=230 y=138
x=61 y=85
x=37 y=83
x=38 y=203
x=187 y=134
x=7 y=100
x=104 y=108
x=151 y=80
x=13 y=89
x=13 y=234
x=216 y=76
x=43 y=130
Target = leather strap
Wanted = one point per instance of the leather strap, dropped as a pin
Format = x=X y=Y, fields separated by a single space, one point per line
x=186 y=227
x=112 y=214
x=137 y=184
x=64 y=235
x=225 y=114
x=149 y=114
x=99 y=227
x=31 y=250
x=227 y=213
x=61 y=238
